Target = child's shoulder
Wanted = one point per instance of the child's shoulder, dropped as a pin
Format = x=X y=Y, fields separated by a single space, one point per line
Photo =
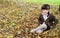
x=52 y=15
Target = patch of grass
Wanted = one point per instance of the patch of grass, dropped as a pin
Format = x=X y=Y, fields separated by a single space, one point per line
x=44 y=1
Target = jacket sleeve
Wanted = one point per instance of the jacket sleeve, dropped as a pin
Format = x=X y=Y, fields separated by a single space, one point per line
x=51 y=21
x=55 y=21
x=40 y=20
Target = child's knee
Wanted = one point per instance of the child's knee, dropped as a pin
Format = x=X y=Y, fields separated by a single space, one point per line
x=39 y=31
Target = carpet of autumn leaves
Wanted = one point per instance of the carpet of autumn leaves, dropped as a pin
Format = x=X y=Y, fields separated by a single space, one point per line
x=17 y=19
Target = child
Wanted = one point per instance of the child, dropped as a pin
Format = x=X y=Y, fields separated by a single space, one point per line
x=45 y=20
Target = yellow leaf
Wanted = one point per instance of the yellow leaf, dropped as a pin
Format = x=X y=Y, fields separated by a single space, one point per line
x=45 y=32
x=1 y=36
x=38 y=36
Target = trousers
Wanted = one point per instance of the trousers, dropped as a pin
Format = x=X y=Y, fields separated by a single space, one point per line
x=40 y=28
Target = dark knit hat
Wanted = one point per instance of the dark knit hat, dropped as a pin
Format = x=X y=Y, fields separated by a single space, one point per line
x=45 y=6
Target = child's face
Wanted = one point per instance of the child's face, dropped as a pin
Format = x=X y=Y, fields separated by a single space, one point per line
x=45 y=11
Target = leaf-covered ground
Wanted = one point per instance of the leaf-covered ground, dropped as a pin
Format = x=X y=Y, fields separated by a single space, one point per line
x=17 y=19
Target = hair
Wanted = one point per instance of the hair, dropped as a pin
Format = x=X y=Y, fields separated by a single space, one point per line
x=45 y=6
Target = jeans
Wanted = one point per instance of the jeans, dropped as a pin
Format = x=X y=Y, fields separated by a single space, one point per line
x=40 y=28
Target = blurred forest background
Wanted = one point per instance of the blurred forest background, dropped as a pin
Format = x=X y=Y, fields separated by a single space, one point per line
x=18 y=17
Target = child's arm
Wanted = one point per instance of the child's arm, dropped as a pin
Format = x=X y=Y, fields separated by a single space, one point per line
x=52 y=21
x=39 y=20
x=55 y=21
